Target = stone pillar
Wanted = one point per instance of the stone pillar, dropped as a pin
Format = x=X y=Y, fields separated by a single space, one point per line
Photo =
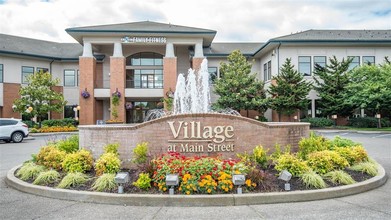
x=87 y=66
x=117 y=81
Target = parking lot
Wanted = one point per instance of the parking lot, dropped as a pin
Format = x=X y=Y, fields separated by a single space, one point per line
x=374 y=204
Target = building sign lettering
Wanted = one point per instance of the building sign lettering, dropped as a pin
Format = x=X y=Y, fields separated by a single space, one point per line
x=192 y=137
x=127 y=39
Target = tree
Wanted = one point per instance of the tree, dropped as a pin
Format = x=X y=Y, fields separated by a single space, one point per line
x=331 y=82
x=370 y=88
x=290 y=90
x=238 y=88
x=38 y=97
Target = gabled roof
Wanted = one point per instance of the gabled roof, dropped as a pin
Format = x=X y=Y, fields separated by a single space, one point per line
x=337 y=35
x=141 y=28
x=224 y=49
x=14 y=45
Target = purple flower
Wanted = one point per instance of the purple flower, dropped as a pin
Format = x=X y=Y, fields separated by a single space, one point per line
x=116 y=93
x=85 y=94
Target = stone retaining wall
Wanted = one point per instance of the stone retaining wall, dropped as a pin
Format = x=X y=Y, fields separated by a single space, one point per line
x=193 y=134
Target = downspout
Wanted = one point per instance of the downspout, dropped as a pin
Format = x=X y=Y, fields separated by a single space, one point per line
x=50 y=66
x=278 y=58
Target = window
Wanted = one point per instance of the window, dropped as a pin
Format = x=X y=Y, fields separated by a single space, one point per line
x=355 y=62
x=1 y=73
x=26 y=71
x=144 y=78
x=78 y=78
x=267 y=71
x=145 y=59
x=212 y=74
x=44 y=70
x=370 y=60
x=305 y=65
x=320 y=60
x=68 y=111
x=69 y=78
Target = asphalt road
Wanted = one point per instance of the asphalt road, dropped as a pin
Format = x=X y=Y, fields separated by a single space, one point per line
x=375 y=204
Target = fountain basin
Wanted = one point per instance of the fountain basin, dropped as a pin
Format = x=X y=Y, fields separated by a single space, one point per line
x=201 y=134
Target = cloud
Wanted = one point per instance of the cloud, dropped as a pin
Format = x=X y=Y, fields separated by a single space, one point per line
x=234 y=21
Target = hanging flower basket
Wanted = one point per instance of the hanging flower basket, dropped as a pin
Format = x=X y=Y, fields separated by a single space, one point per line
x=128 y=106
x=117 y=94
x=85 y=94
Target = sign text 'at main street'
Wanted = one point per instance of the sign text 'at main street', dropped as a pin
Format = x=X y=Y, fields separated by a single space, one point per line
x=192 y=137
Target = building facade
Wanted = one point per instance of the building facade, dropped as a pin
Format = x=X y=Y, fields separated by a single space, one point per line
x=141 y=61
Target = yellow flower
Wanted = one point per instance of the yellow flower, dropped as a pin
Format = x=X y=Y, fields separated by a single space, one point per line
x=187 y=192
x=164 y=189
x=209 y=190
x=226 y=189
x=187 y=187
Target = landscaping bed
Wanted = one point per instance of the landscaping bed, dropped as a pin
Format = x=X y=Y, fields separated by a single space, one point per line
x=319 y=163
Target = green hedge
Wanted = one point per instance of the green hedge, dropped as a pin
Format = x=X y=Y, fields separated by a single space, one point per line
x=60 y=122
x=318 y=122
x=368 y=122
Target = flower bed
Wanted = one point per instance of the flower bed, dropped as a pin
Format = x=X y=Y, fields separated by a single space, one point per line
x=319 y=163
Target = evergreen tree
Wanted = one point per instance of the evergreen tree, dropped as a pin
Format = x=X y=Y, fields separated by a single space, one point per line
x=38 y=98
x=290 y=90
x=331 y=82
x=238 y=88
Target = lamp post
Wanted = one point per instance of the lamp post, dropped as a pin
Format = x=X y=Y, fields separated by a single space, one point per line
x=75 y=109
x=334 y=117
x=378 y=116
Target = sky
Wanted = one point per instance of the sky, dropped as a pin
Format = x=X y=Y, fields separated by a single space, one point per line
x=234 y=20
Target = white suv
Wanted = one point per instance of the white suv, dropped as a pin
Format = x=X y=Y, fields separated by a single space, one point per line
x=13 y=130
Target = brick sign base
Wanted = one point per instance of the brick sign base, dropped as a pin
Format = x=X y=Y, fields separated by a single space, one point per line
x=208 y=134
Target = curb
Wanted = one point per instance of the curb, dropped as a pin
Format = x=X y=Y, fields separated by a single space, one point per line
x=350 y=131
x=196 y=200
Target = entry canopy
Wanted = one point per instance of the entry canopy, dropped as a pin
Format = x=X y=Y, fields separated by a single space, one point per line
x=142 y=29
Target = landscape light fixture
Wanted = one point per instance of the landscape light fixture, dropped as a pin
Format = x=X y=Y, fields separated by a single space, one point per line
x=286 y=176
x=172 y=180
x=121 y=178
x=378 y=116
x=238 y=180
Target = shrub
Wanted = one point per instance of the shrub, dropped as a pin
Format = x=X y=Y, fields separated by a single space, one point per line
x=50 y=157
x=325 y=161
x=207 y=184
x=291 y=163
x=353 y=155
x=60 y=122
x=341 y=142
x=30 y=123
x=105 y=183
x=368 y=122
x=80 y=161
x=260 y=156
x=278 y=152
x=73 y=180
x=112 y=148
x=318 y=122
x=311 y=144
x=107 y=163
x=339 y=177
x=312 y=180
x=140 y=153
x=366 y=167
x=260 y=179
x=143 y=181
x=29 y=171
x=69 y=145
x=47 y=177
x=225 y=182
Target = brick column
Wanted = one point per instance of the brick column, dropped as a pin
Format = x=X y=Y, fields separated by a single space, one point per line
x=117 y=82
x=87 y=67
x=196 y=63
x=169 y=74
x=10 y=93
